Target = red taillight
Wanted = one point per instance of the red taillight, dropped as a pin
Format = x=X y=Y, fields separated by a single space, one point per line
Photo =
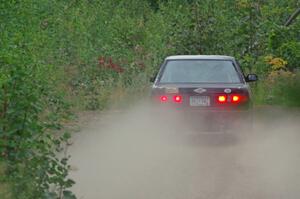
x=222 y=98
x=163 y=98
x=177 y=99
x=235 y=98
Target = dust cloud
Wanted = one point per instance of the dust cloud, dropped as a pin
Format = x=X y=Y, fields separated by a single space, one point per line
x=141 y=153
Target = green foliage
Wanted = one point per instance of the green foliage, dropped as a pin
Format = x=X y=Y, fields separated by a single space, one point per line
x=88 y=54
x=283 y=92
x=30 y=104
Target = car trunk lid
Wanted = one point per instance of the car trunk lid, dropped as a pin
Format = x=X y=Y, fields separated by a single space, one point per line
x=202 y=96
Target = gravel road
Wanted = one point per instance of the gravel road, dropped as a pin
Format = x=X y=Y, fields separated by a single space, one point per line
x=137 y=155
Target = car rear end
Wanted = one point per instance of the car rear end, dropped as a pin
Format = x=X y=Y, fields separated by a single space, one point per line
x=214 y=103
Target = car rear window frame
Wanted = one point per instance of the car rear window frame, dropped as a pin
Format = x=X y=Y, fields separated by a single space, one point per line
x=235 y=65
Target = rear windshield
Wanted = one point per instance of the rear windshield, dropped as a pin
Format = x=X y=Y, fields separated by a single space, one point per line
x=199 y=71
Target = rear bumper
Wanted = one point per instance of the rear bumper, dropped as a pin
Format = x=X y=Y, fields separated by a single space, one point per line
x=225 y=115
x=214 y=119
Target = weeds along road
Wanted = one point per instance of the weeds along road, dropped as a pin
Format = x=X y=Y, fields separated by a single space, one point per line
x=136 y=155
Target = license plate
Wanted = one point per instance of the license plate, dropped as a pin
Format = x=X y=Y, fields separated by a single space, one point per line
x=199 y=101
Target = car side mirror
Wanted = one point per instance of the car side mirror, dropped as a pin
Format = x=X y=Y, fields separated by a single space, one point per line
x=251 y=78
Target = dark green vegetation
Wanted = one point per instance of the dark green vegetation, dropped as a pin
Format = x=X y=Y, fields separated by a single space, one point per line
x=61 y=56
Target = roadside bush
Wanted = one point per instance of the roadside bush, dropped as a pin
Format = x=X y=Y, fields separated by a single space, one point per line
x=31 y=106
x=283 y=90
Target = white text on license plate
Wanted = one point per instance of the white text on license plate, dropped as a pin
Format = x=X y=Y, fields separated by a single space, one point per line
x=199 y=101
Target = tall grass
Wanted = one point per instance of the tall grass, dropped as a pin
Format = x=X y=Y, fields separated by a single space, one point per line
x=283 y=91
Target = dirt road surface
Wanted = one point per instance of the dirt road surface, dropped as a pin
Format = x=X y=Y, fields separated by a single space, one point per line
x=139 y=155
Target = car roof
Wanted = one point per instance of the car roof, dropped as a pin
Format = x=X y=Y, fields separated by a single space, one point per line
x=212 y=57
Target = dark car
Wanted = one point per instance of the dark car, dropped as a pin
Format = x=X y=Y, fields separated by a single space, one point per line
x=210 y=88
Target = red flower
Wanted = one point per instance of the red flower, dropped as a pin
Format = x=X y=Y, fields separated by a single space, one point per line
x=101 y=60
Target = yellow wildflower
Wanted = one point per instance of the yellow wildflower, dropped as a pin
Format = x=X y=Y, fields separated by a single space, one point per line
x=276 y=63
